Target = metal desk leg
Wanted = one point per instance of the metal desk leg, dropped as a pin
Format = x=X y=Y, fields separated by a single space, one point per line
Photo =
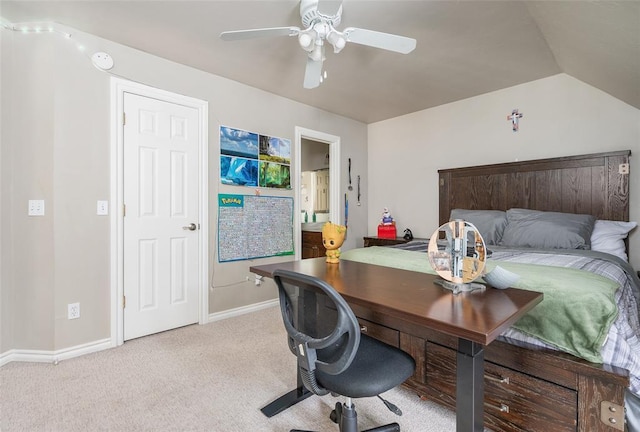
x=285 y=401
x=470 y=387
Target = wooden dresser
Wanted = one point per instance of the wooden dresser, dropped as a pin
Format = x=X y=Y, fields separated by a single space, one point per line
x=379 y=241
x=525 y=390
x=312 y=246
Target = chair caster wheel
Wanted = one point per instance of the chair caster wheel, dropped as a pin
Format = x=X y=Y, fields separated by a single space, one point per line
x=336 y=413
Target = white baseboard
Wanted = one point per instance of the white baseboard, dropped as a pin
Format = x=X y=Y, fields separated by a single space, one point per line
x=40 y=356
x=217 y=316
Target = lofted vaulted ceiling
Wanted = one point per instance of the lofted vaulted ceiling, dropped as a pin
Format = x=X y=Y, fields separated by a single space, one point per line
x=464 y=48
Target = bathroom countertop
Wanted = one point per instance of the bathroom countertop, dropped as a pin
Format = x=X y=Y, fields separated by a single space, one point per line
x=312 y=226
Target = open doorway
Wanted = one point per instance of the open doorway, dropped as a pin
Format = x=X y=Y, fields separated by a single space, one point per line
x=316 y=181
x=315 y=196
x=314 y=187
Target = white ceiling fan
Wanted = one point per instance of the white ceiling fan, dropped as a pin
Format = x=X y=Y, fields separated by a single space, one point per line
x=320 y=26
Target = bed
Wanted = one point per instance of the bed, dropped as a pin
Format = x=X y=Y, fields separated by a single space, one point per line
x=531 y=383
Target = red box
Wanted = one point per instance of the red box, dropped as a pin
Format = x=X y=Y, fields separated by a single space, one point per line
x=387 y=231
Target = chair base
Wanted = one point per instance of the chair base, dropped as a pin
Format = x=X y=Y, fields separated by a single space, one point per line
x=347 y=420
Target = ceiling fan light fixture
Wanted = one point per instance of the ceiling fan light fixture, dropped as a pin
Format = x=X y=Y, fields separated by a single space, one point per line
x=337 y=40
x=321 y=28
x=306 y=41
x=307 y=38
x=319 y=23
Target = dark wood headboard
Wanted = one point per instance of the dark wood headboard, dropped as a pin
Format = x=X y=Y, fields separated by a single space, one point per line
x=596 y=184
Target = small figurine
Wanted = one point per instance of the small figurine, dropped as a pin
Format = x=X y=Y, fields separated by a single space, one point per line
x=386 y=218
x=332 y=239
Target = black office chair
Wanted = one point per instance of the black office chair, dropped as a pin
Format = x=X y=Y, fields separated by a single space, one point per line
x=333 y=357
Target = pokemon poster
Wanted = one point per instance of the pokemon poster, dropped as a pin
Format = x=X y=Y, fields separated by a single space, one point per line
x=249 y=159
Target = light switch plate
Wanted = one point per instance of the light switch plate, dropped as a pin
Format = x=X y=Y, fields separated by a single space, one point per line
x=36 y=208
x=103 y=208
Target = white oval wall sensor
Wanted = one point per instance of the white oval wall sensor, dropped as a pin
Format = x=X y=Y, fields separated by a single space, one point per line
x=102 y=60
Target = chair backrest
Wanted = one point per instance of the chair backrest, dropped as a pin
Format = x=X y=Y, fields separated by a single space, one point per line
x=323 y=331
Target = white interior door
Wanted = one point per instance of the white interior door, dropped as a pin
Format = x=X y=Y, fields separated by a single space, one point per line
x=161 y=226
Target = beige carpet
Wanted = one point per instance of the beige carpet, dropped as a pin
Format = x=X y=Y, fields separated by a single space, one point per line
x=214 y=377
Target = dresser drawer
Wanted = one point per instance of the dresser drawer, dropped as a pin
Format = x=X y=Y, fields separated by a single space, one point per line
x=512 y=401
x=377 y=331
x=312 y=246
x=512 y=398
x=314 y=237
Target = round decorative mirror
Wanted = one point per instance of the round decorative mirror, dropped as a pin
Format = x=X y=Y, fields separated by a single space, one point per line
x=457 y=253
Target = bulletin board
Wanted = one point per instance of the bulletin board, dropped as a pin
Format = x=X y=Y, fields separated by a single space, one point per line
x=251 y=226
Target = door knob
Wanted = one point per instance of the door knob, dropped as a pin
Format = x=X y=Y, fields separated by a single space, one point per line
x=190 y=227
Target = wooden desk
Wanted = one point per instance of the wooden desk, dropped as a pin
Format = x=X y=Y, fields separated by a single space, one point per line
x=407 y=301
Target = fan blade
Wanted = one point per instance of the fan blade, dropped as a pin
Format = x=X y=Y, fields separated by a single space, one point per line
x=330 y=7
x=258 y=33
x=387 y=41
x=312 y=73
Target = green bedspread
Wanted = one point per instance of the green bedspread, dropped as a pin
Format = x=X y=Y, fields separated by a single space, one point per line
x=575 y=315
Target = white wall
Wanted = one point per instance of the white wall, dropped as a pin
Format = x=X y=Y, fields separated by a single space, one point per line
x=562 y=117
x=55 y=134
x=55 y=146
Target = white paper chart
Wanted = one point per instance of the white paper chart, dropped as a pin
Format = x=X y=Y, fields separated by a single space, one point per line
x=251 y=226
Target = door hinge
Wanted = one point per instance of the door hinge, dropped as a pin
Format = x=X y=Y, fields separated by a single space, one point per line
x=124 y=210
x=124 y=119
x=124 y=302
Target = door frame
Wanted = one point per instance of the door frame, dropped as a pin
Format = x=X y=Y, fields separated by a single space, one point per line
x=334 y=179
x=118 y=88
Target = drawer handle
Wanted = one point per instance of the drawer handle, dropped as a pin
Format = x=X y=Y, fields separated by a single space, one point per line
x=363 y=328
x=502 y=408
x=498 y=379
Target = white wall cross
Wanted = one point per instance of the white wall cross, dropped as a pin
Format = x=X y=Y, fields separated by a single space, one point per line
x=514 y=118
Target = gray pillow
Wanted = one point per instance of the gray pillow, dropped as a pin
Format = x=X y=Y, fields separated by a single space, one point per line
x=490 y=223
x=547 y=230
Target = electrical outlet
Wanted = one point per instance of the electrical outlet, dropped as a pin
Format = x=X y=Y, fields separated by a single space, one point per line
x=73 y=311
x=36 y=208
x=623 y=168
x=102 y=208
